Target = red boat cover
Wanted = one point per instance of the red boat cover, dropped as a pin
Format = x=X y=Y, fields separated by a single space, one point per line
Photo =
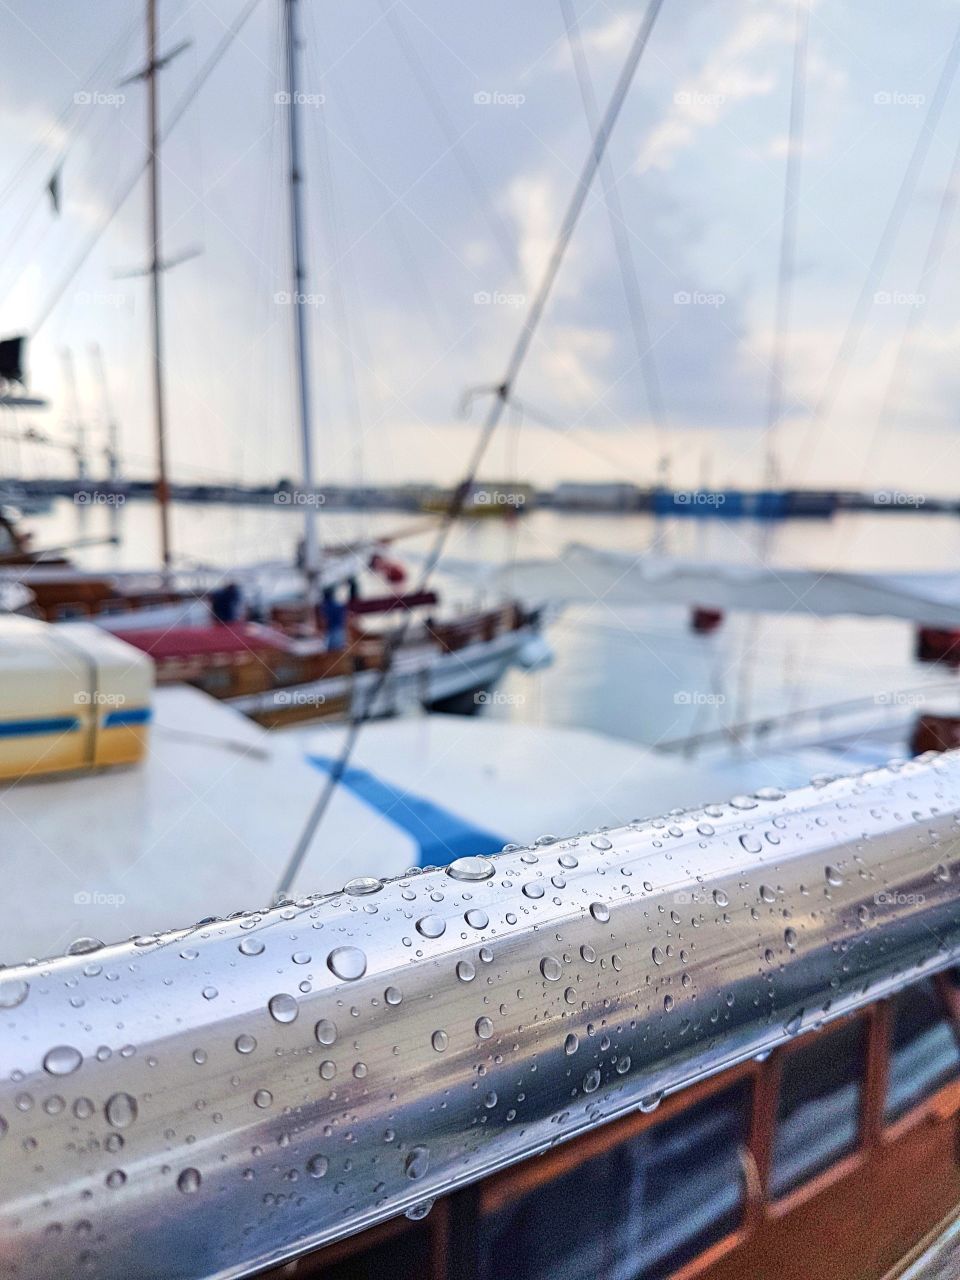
x=189 y=642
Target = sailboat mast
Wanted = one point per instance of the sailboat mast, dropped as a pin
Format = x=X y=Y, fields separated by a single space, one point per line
x=162 y=488
x=113 y=430
x=311 y=550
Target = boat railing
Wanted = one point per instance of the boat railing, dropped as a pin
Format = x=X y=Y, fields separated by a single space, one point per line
x=889 y=707
x=227 y=1096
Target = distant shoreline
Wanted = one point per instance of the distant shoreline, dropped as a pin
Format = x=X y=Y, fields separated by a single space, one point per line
x=614 y=498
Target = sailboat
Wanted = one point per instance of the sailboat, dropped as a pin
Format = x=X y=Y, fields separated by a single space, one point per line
x=283 y=642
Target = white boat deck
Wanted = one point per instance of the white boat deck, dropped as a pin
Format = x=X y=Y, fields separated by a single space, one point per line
x=205 y=826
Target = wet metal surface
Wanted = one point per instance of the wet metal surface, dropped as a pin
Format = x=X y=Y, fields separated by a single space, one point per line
x=208 y=1101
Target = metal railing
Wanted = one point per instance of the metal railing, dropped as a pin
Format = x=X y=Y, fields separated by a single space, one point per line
x=209 y=1101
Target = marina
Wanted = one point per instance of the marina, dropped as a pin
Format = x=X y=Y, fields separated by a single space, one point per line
x=479 y=641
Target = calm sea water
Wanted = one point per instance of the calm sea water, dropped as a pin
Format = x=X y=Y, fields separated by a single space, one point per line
x=636 y=673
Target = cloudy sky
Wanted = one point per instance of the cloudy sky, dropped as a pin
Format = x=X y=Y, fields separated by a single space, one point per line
x=442 y=142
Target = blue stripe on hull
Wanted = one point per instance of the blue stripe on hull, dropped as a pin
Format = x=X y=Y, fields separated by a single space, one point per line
x=38 y=728
x=136 y=715
x=45 y=725
x=440 y=835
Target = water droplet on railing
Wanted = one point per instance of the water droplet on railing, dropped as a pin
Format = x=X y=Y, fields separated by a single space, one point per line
x=12 y=992
x=83 y=946
x=62 y=1060
x=325 y=1031
x=189 y=1181
x=283 y=1007
x=121 y=1110
x=360 y=886
x=471 y=869
x=551 y=968
x=348 y=963
x=591 y=1081
x=431 y=926
x=417 y=1162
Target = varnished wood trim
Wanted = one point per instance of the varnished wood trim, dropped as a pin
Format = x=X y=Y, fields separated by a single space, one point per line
x=503 y=1188
x=847 y=1164
x=940 y=1105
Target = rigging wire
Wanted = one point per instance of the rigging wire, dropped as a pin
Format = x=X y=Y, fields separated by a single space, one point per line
x=452 y=137
x=788 y=238
x=343 y=329
x=113 y=56
x=621 y=465
x=421 y=289
x=499 y=403
x=905 y=192
x=619 y=231
x=929 y=271
x=188 y=96
x=750 y=653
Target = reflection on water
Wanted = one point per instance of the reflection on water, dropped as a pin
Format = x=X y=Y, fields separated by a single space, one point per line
x=636 y=673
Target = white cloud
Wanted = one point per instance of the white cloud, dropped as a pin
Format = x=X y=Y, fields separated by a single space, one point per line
x=735 y=73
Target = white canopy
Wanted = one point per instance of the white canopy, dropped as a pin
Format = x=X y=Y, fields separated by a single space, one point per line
x=585 y=575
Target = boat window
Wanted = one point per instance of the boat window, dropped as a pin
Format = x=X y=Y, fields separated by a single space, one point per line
x=638 y=1212
x=924 y=1053
x=818 y=1111
x=407 y=1254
